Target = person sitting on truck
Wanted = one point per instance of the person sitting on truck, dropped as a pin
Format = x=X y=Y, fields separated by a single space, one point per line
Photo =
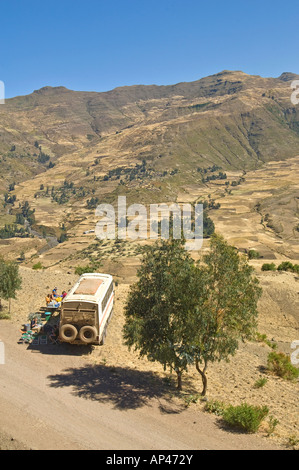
x=63 y=295
x=48 y=299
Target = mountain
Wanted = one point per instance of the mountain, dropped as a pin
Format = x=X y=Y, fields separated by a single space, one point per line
x=231 y=118
x=65 y=151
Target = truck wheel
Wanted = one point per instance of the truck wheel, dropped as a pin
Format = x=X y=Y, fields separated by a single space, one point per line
x=68 y=333
x=88 y=334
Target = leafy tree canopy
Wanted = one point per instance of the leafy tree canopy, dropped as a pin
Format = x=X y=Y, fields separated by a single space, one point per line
x=180 y=312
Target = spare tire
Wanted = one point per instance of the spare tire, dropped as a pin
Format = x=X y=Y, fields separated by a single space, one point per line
x=68 y=333
x=88 y=334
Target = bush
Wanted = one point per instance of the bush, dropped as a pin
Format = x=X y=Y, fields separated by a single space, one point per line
x=253 y=254
x=215 y=406
x=93 y=267
x=262 y=338
x=245 y=417
x=260 y=382
x=280 y=364
x=82 y=270
x=5 y=315
x=286 y=266
x=268 y=267
x=192 y=399
x=37 y=266
x=296 y=268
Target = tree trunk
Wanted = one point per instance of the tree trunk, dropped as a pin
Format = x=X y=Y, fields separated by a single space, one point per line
x=203 y=377
x=179 y=375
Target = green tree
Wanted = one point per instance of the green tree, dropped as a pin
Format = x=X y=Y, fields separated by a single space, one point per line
x=253 y=254
x=10 y=280
x=180 y=312
x=159 y=305
x=227 y=308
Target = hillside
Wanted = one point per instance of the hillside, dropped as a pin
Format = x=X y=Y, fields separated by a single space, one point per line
x=230 y=140
x=230 y=118
x=66 y=151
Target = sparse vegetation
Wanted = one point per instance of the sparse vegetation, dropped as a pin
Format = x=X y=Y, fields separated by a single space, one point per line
x=284 y=266
x=253 y=254
x=262 y=338
x=11 y=231
x=37 y=266
x=261 y=382
x=10 y=280
x=189 y=399
x=43 y=157
x=292 y=441
x=92 y=267
x=268 y=267
x=215 y=406
x=245 y=417
x=280 y=364
x=288 y=266
x=92 y=203
x=272 y=424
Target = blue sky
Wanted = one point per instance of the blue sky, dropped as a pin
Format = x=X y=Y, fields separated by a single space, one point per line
x=99 y=45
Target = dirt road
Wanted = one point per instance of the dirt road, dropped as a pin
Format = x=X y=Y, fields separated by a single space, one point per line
x=54 y=398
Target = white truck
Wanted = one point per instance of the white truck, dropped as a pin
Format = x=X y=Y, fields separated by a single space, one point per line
x=86 y=310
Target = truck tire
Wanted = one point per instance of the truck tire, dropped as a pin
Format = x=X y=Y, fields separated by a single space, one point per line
x=68 y=333
x=88 y=334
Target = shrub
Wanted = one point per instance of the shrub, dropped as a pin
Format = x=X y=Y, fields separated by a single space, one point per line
x=273 y=422
x=37 y=266
x=260 y=382
x=253 y=254
x=245 y=417
x=286 y=266
x=215 y=406
x=89 y=268
x=191 y=399
x=268 y=267
x=280 y=364
x=262 y=338
x=293 y=441
x=5 y=315
x=296 y=268
x=82 y=269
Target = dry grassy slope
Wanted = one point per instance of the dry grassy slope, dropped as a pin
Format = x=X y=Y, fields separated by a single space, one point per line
x=261 y=213
x=230 y=117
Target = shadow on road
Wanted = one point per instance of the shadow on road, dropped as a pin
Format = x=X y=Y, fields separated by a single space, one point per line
x=123 y=387
x=63 y=349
